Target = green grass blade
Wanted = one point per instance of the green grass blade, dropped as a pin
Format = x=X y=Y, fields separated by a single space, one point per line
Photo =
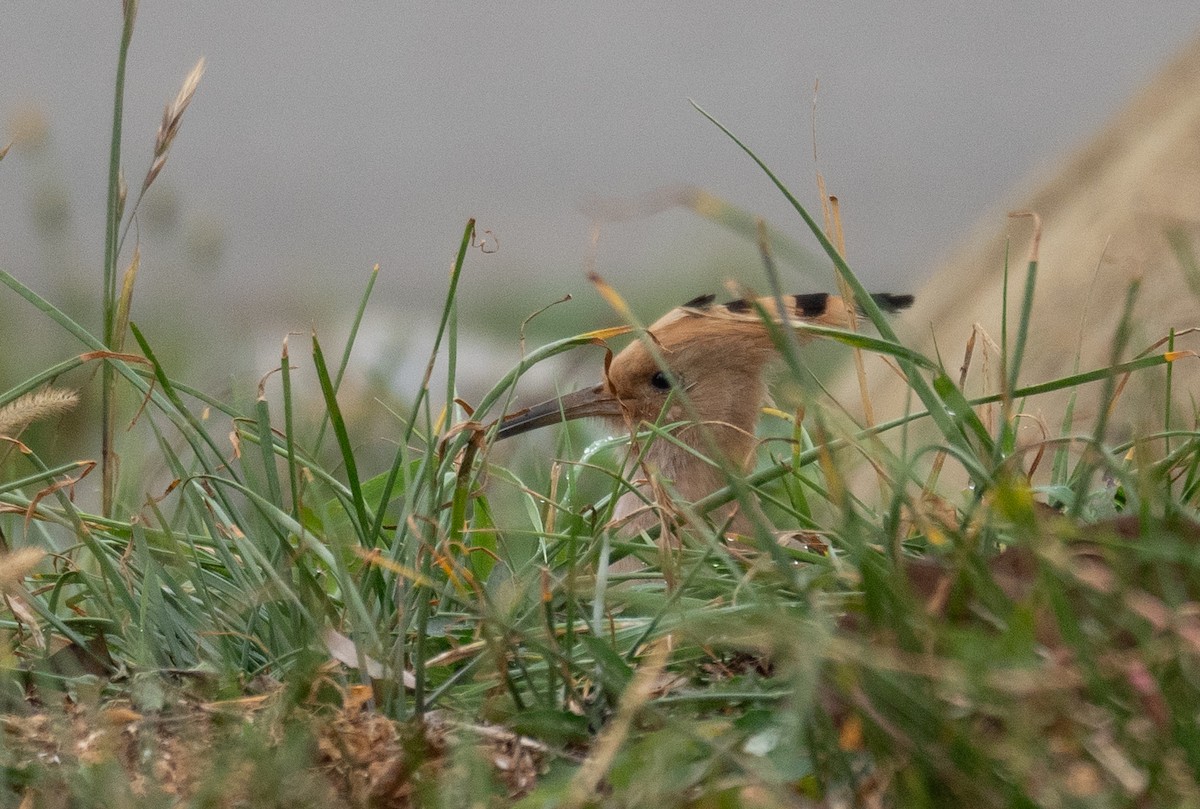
x=112 y=226
x=345 y=361
x=343 y=438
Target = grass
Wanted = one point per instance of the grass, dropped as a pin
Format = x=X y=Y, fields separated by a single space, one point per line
x=255 y=614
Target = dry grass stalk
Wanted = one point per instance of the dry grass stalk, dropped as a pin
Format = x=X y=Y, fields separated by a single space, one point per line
x=587 y=779
x=122 y=193
x=172 y=119
x=37 y=406
x=125 y=301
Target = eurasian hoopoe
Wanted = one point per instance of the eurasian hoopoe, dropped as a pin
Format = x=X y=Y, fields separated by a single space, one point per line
x=715 y=355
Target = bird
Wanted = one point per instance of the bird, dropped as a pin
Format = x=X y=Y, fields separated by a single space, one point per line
x=702 y=366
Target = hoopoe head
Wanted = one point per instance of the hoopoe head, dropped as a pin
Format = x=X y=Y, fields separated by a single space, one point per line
x=701 y=361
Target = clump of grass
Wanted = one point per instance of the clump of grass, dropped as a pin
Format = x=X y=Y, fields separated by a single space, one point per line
x=444 y=627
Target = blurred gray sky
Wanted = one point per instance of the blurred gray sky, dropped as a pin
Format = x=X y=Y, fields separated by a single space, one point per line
x=326 y=137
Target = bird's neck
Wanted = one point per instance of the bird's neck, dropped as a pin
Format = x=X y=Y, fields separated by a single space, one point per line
x=688 y=476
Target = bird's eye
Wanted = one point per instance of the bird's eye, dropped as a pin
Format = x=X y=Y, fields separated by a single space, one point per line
x=660 y=381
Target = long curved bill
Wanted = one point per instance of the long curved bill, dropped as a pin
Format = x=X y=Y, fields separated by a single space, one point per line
x=595 y=401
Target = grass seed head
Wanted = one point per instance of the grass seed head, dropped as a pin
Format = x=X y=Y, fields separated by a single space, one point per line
x=36 y=406
x=171 y=121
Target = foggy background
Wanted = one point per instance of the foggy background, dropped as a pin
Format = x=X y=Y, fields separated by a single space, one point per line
x=327 y=137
